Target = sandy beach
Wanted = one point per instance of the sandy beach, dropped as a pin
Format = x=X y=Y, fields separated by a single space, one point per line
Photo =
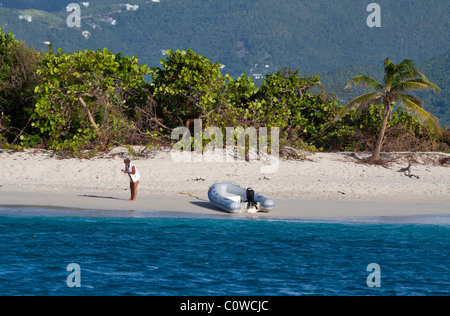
x=321 y=185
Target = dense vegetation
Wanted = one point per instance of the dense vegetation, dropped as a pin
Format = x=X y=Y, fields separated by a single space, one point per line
x=255 y=37
x=97 y=99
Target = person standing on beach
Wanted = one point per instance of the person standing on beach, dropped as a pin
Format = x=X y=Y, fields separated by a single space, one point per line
x=134 y=175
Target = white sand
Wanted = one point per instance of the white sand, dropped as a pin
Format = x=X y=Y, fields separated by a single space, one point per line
x=322 y=185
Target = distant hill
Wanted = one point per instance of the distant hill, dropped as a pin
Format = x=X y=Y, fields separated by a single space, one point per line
x=248 y=36
x=45 y=5
x=437 y=70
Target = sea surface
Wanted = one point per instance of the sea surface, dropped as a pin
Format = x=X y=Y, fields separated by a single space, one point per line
x=75 y=252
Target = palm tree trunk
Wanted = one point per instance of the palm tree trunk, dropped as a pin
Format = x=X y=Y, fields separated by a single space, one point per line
x=386 y=112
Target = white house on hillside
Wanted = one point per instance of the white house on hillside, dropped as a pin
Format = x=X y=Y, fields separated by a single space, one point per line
x=26 y=17
x=131 y=7
x=86 y=34
x=110 y=20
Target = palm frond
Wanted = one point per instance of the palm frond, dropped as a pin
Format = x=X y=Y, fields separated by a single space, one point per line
x=417 y=73
x=431 y=122
x=361 y=101
x=390 y=71
x=364 y=81
x=407 y=69
x=395 y=74
x=400 y=97
x=415 y=84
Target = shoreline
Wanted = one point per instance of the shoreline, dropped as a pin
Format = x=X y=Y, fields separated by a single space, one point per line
x=322 y=185
x=97 y=203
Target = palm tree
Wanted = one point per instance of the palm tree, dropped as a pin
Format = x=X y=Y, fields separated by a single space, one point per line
x=398 y=79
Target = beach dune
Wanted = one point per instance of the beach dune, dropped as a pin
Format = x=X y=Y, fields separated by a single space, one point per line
x=320 y=185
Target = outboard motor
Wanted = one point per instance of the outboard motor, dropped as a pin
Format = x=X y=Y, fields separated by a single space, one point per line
x=251 y=198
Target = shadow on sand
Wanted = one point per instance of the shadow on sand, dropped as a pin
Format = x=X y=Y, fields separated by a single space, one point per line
x=208 y=206
x=102 y=197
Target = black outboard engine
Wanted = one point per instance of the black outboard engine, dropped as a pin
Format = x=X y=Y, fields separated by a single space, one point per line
x=251 y=198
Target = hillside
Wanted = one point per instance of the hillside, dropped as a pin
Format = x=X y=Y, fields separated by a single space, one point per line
x=248 y=36
x=437 y=71
x=314 y=36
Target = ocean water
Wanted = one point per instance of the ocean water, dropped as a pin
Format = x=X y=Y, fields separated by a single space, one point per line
x=161 y=254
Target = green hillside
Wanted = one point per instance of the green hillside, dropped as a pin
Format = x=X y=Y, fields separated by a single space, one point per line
x=437 y=71
x=44 y=18
x=314 y=36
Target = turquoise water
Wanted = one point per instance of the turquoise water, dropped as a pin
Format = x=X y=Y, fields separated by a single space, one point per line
x=169 y=255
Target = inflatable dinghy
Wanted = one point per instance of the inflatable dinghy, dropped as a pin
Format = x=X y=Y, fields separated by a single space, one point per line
x=233 y=199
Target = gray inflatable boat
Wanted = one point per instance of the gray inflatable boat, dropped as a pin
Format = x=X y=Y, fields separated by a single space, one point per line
x=233 y=199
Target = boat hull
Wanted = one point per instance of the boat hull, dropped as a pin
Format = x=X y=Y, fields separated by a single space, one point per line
x=231 y=198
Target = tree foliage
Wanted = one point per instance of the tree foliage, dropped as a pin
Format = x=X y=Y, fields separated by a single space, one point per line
x=96 y=99
x=18 y=77
x=85 y=98
x=188 y=87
